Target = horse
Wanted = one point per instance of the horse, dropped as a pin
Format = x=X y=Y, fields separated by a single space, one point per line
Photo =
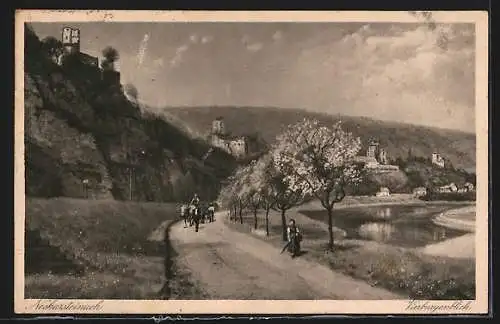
x=191 y=212
x=195 y=217
x=202 y=213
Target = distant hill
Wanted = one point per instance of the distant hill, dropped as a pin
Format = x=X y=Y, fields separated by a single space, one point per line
x=85 y=138
x=397 y=138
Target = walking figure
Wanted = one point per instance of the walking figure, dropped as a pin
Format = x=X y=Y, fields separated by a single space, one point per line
x=211 y=212
x=294 y=238
x=185 y=215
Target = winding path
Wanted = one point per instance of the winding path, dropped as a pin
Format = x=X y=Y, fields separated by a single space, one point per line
x=230 y=265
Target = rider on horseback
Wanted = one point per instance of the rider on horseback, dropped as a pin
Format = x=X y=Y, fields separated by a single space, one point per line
x=195 y=210
x=195 y=201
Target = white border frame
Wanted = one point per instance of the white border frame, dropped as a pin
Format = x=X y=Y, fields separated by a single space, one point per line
x=479 y=305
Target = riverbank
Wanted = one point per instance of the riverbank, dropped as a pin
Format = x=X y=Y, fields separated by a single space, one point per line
x=458 y=247
x=371 y=201
x=404 y=270
x=463 y=219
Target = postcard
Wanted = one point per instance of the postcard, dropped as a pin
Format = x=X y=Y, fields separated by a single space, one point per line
x=210 y=162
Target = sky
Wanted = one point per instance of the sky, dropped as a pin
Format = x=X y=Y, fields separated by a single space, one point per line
x=402 y=72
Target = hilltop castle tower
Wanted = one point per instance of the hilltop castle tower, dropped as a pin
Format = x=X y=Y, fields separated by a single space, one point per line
x=372 y=149
x=438 y=160
x=71 y=40
x=382 y=157
x=218 y=127
x=219 y=137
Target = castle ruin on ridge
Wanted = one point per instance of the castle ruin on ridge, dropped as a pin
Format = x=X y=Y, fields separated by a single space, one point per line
x=221 y=138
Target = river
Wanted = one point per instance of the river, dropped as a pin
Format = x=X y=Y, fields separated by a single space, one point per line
x=398 y=225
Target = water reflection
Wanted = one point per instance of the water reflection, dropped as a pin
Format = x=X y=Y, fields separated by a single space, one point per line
x=377 y=231
x=384 y=213
x=408 y=226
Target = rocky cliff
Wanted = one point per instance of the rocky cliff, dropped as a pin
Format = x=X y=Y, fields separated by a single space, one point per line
x=84 y=138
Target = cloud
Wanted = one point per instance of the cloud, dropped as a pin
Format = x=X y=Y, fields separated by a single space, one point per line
x=207 y=39
x=255 y=47
x=245 y=39
x=277 y=35
x=419 y=74
x=252 y=47
x=194 y=38
x=182 y=49
x=158 y=63
x=426 y=73
x=142 y=49
x=177 y=59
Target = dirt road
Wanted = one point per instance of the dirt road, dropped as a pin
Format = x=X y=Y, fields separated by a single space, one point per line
x=232 y=265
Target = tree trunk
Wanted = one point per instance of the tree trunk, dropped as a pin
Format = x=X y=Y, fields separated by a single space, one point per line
x=235 y=210
x=267 y=221
x=241 y=213
x=255 y=218
x=283 y=223
x=330 y=228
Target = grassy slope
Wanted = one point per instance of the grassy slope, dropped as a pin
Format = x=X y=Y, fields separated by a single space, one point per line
x=406 y=271
x=107 y=239
x=398 y=138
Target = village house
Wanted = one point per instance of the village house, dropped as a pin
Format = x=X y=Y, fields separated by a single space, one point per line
x=469 y=186
x=419 y=192
x=452 y=187
x=383 y=192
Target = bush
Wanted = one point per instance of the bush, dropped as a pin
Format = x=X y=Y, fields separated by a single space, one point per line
x=449 y=196
x=411 y=274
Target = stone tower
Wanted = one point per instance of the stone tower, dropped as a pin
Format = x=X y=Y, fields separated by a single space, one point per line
x=218 y=127
x=71 y=40
x=372 y=149
x=382 y=157
x=437 y=159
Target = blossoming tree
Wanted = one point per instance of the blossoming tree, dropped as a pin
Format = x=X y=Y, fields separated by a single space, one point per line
x=319 y=161
x=263 y=194
x=233 y=193
x=249 y=189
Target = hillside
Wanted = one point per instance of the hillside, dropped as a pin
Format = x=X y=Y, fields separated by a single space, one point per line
x=84 y=138
x=397 y=138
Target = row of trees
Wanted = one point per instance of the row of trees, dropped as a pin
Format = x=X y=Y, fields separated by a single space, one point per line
x=307 y=161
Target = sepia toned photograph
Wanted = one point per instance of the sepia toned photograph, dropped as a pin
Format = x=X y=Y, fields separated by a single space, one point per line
x=251 y=162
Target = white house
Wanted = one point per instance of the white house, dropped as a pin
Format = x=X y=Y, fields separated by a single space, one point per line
x=383 y=192
x=449 y=188
x=469 y=186
x=419 y=192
